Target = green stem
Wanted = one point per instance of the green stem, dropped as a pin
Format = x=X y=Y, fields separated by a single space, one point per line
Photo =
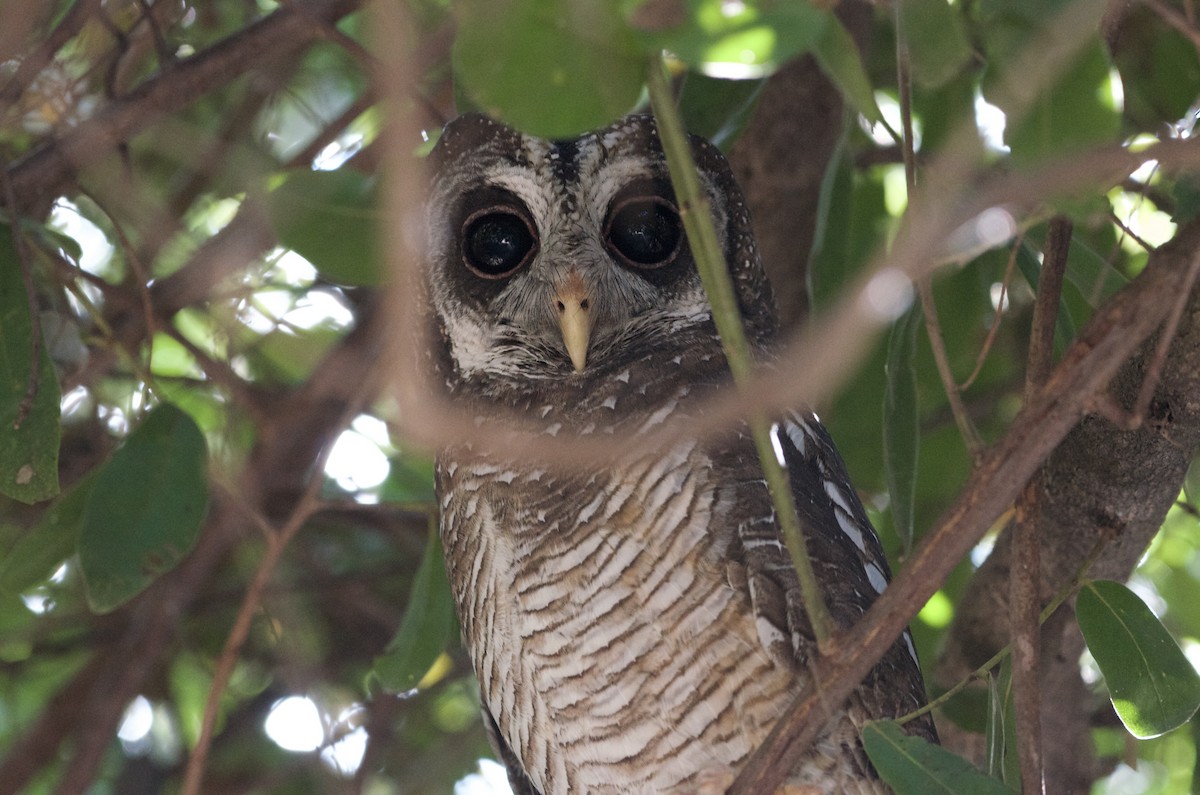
x=710 y=261
x=1047 y=611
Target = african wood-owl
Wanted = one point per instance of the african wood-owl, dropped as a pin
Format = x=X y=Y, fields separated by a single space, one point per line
x=634 y=623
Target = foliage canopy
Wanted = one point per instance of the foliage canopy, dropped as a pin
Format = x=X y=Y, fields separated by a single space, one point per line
x=213 y=506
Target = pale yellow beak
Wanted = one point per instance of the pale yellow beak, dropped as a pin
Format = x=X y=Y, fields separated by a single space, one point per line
x=574 y=318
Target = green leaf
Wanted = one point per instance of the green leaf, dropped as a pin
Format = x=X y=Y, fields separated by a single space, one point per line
x=938 y=46
x=901 y=426
x=1160 y=70
x=1093 y=275
x=29 y=424
x=329 y=218
x=912 y=766
x=552 y=68
x=851 y=222
x=945 y=110
x=1153 y=686
x=145 y=509
x=1070 y=114
x=1031 y=269
x=746 y=40
x=47 y=544
x=718 y=109
x=840 y=59
x=428 y=626
x=1003 y=763
x=1186 y=194
x=1191 y=483
x=290 y=356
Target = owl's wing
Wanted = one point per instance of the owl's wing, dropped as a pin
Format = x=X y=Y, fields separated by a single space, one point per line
x=518 y=781
x=847 y=559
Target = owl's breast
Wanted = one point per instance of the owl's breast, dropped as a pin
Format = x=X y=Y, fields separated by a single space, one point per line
x=610 y=645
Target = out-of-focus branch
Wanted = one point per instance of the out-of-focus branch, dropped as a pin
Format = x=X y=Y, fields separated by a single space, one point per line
x=43 y=174
x=1086 y=370
x=33 y=63
x=40 y=743
x=1103 y=479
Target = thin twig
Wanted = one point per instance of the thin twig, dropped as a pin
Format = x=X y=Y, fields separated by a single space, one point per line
x=1175 y=20
x=277 y=542
x=997 y=316
x=1045 y=307
x=933 y=327
x=710 y=262
x=1125 y=230
x=331 y=131
x=33 y=64
x=980 y=673
x=1025 y=582
x=40 y=175
x=1025 y=599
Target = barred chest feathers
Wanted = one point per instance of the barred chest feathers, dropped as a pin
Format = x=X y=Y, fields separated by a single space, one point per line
x=591 y=602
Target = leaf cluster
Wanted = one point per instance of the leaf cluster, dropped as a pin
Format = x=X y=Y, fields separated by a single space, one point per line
x=196 y=441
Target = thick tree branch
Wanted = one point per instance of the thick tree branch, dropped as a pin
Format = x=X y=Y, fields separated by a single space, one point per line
x=1086 y=370
x=1103 y=479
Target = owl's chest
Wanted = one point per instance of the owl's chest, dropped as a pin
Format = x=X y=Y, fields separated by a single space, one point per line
x=610 y=646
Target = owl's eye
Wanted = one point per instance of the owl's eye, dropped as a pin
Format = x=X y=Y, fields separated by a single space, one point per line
x=644 y=231
x=496 y=242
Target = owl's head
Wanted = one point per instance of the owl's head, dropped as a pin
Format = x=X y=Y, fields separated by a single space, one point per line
x=563 y=259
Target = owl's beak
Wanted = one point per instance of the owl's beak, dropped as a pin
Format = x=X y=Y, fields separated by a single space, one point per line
x=574 y=318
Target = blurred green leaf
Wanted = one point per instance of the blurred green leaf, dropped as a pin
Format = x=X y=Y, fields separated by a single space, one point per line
x=1153 y=686
x=1093 y=275
x=717 y=109
x=170 y=359
x=145 y=508
x=330 y=219
x=29 y=424
x=1000 y=737
x=901 y=422
x=743 y=40
x=938 y=46
x=912 y=766
x=291 y=356
x=839 y=58
x=945 y=109
x=1010 y=25
x=851 y=222
x=1159 y=68
x=1191 y=483
x=1031 y=269
x=1073 y=112
x=534 y=63
x=428 y=627
x=47 y=544
x=1186 y=194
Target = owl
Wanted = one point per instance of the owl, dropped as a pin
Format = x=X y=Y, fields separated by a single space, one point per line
x=635 y=624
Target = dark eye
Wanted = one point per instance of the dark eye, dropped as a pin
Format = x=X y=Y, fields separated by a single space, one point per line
x=496 y=242
x=645 y=231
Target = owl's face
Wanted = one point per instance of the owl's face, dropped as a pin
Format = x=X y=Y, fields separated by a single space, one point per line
x=564 y=259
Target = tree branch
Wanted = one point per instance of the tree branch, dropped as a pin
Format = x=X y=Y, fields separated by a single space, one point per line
x=1089 y=365
x=44 y=174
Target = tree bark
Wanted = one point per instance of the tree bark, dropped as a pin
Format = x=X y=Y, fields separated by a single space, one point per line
x=1102 y=480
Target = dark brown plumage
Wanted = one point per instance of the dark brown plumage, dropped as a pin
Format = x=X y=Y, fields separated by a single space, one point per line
x=637 y=624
